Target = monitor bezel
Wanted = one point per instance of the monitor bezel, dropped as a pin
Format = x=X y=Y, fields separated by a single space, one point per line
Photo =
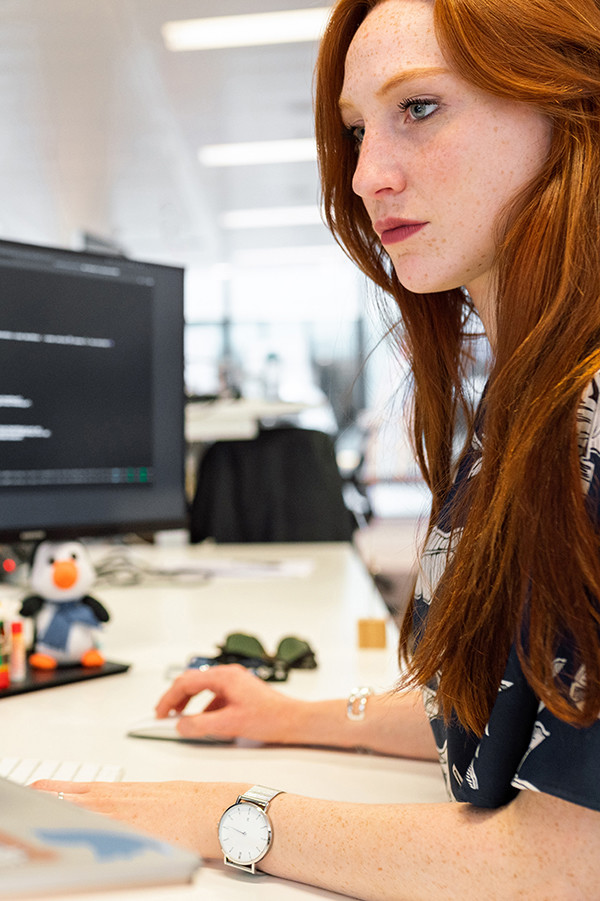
x=90 y=527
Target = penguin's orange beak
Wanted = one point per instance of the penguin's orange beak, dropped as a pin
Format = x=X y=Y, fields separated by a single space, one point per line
x=64 y=573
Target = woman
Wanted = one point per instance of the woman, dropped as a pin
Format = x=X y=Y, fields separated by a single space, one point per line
x=460 y=159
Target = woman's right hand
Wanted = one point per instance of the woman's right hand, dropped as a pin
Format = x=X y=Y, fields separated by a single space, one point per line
x=243 y=706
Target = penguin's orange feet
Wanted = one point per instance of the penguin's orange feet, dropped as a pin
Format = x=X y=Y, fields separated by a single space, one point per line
x=93 y=657
x=42 y=661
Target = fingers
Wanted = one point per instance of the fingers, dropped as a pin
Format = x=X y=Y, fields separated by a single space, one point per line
x=215 y=704
x=185 y=687
x=242 y=705
x=106 y=798
x=52 y=785
x=221 y=680
x=203 y=726
x=75 y=792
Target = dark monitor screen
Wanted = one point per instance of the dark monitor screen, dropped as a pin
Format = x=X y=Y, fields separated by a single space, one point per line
x=91 y=394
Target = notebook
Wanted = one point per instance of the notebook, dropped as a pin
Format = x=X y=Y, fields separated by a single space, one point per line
x=49 y=846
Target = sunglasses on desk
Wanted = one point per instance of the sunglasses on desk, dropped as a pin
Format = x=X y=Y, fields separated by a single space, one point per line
x=248 y=651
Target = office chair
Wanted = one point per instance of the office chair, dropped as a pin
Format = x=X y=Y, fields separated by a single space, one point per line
x=282 y=486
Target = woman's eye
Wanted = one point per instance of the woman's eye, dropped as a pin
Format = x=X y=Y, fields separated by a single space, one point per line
x=356 y=133
x=419 y=108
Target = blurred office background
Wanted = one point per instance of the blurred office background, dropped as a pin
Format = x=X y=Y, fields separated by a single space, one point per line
x=176 y=131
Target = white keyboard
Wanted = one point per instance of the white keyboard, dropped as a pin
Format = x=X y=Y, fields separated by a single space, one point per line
x=26 y=770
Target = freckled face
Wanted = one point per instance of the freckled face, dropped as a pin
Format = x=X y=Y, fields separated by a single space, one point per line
x=438 y=158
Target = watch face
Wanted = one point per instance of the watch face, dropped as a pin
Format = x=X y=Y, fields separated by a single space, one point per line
x=244 y=833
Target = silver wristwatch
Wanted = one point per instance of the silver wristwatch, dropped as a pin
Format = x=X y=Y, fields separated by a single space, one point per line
x=245 y=831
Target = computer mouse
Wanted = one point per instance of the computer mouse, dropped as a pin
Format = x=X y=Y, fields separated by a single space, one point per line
x=166 y=728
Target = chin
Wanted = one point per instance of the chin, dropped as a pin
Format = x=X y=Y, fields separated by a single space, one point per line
x=426 y=286
x=425 y=282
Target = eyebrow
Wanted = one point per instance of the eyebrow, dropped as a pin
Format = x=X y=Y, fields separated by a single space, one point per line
x=398 y=80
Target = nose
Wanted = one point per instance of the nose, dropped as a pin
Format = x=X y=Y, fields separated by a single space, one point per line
x=379 y=168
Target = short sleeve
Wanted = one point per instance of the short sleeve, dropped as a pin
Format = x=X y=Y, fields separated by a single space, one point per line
x=525 y=747
x=562 y=760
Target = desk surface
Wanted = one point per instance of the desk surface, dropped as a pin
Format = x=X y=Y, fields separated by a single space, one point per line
x=158 y=624
x=226 y=418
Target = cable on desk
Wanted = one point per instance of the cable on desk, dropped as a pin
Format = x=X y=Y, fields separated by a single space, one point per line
x=121 y=568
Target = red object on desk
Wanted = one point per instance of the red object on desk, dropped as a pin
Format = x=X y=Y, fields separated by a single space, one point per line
x=18 y=657
x=4 y=657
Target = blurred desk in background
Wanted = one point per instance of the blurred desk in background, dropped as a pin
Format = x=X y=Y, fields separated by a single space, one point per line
x=229 y=419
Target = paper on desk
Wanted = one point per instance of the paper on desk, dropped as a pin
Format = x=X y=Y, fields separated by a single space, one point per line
x=222 y=568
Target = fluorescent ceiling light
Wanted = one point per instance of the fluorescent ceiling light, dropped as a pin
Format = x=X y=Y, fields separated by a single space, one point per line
x=288 y=26
x=271 y=217
x=252 y=153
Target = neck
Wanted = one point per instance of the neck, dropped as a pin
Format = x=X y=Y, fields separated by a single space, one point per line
x=483 y=297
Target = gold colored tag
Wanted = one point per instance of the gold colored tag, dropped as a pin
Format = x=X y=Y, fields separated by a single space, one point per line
x=371 y=633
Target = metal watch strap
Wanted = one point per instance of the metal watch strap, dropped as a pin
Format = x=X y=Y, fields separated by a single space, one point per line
x=260 y=795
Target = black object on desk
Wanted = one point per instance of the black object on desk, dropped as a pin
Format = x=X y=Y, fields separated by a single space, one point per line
x=62 y=675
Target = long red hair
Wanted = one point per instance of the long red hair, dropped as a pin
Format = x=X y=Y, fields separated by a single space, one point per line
x=529 y=543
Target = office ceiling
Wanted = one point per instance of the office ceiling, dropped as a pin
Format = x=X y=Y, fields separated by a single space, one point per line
x=101 y=126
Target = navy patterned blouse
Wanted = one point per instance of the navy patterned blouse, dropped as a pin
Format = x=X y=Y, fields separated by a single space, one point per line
x=524 y=746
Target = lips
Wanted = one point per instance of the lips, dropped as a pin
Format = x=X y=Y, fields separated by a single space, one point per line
x=391 y=231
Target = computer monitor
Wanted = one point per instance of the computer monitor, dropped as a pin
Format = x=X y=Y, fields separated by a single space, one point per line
x=91 y=394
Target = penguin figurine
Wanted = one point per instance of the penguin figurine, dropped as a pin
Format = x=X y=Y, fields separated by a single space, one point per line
x=67 y=620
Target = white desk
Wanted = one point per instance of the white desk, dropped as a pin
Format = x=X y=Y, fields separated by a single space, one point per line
x=159 y=624
x=233 y=419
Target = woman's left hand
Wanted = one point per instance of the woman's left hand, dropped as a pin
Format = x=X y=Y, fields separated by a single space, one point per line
x=183 y=813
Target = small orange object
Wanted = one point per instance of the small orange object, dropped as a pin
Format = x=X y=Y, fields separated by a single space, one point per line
x=93 y=657
x=65 y=573
x=371 y=633
x=42 y=661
